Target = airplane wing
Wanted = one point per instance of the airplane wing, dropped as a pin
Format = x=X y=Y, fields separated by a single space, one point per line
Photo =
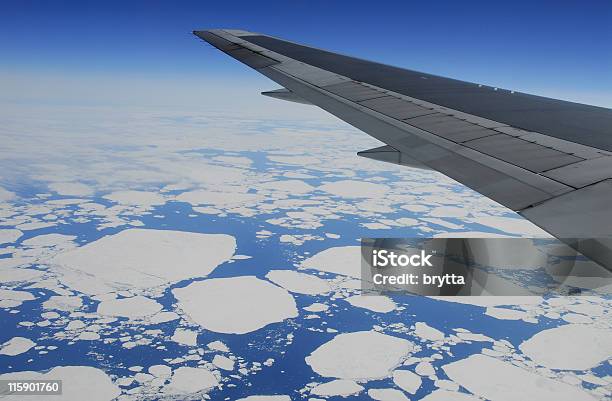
x=549 y=160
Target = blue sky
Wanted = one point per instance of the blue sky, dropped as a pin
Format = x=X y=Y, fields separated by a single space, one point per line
x=560 y=49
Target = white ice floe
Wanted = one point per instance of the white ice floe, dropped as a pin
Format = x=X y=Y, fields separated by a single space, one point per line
x=185 y=337
x=235 y=305
x=16 y=346
x=221 y=200
x=134 y=307
x=446 y=385
x=359 y=355
x=77 y=381
x=160 y=371
x=218 y=346
x=241 y=257
x=71 y=188
x=298 y=239
x=223 y=362
x=13 y=298
x=75 y=325
x=445 y=395
x=569 y=347
x=449 y=211
x=425 y=368
x=344 y=260
x=497 y=380
x=375 y=303
x=387 y=394
x=142 y=259
x=354 y=189
x=143 y=377
x=6 y=195
x=11 y=274
x=289 y=186
x=234 y=160
x=300 y=283
x=442 y=223
x=375 y=226
x=34 y=225
x=63 y=302
x=338 y=387
x=467 y=336
x=9 y=235
x=88 y=336
x=137 y=198
x=163 y=317
x=506 y=313
x=316 y=307
x=50 y=240
x=207 y=210
x=427 y=332
x=593 y=310
x=407 y=380
x=191 y=380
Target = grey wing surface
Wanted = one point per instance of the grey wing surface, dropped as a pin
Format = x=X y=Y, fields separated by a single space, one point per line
x=549 y=160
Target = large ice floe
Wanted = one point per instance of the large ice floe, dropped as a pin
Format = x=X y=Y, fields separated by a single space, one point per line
x=300 y=283
x=387 y=394
x=354 y=189
x=9 y=235
x=235 y=305
x=191 y=380
x=445 y=395
x=141 y=259
x=341 y=387
x=375 y=303
x=498 y=380
x=266 y=398
x=426 y=332
x=136 y=198
x=133 y=307
x=344 y=260
x=407 y=380
x=359 y=355
x=13 y=298
x=16 y=346
x=569 y=347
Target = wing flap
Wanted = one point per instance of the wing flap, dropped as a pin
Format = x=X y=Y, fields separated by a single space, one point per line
x=285 y=94
x=389 y=154
x=449 y=127
x=585 y=173
x=396 y=108
x=533 y=157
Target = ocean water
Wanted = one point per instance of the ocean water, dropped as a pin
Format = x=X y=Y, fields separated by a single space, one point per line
x=287 y=342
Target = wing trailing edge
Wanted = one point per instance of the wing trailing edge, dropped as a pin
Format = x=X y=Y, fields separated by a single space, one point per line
x=389 y=154
x=285 y=94
x=546 y=159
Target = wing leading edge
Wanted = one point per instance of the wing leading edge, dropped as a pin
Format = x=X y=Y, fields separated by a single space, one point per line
x=549 y=160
